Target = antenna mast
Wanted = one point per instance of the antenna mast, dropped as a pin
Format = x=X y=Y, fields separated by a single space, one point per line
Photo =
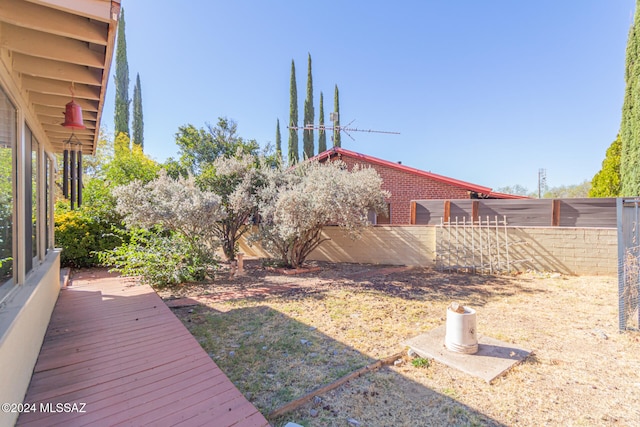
x=542 y=181
x=336 y=129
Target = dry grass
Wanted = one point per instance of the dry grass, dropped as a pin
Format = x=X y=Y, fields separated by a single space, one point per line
x=277 y=347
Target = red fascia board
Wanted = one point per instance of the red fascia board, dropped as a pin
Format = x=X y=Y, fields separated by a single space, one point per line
x=369 y=159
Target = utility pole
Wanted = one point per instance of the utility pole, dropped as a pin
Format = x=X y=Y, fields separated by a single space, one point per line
x=542 y=181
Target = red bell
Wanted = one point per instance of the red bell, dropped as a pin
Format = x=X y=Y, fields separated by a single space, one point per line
x=73 y=116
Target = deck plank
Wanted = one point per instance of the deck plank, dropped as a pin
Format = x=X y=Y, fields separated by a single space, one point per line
x=121 y=351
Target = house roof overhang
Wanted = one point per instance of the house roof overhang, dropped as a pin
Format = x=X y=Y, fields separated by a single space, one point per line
x=50 y=48
x=338 y=151
x=481 y=191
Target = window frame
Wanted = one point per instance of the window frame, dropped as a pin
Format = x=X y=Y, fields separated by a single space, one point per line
x=9 y=284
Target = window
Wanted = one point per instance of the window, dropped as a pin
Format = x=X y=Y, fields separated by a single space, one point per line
x=48 y=205
x=7 y=172
x=31 y=200
x=384 y=218
x=380 y=219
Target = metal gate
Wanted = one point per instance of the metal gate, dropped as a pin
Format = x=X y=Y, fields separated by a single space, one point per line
x=628 y=262
x=480 y=246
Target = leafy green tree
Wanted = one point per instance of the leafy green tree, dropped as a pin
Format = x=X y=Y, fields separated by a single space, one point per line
x=129 y=164
x=88 y=230
x=138 y=122
x=307 y=134
x=278 y=141
x=630 y=124
x=93 y=165
x=199 y=148
x=122 y=164
x=225 y=164
x=293 y=117
x=121 y=120
x=336 y=124
x=606 y=183
x=322 y=135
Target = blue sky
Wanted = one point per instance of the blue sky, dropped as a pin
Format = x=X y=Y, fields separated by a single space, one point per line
x=487 y=92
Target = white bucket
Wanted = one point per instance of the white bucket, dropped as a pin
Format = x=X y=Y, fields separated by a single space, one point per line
x=461 y=331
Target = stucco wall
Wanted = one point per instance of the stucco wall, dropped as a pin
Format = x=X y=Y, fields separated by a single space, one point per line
x=576 y=251
x=23 y=323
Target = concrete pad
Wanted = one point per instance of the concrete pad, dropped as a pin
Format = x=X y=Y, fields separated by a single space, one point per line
x=493 y=358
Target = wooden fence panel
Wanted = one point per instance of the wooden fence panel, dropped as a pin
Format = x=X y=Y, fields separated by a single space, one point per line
x=429 y=212
x=588 y=213
x=461 y=209
x=520 y=212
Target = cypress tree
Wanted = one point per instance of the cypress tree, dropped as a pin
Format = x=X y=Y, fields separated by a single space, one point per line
x=278 y=141
x=336 y=123
x=293 y=117
x=121 y=119
x=138 y=122
x=606 y=183
x=307 y=134
x=322 y=135
x=630 y=125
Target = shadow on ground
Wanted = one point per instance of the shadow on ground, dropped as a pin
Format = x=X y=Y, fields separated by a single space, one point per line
x=274 y=359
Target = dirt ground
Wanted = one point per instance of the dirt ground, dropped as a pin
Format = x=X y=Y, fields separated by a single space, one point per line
x=279 y=337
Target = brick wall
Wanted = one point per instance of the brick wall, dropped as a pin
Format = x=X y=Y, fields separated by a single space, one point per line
x=405 y=187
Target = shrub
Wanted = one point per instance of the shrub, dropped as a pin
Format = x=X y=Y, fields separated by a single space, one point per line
x=81 y=235
x=159 y=257
x=171 y=235
x=296 y=204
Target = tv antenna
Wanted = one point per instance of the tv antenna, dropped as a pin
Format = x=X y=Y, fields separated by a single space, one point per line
x=334 y=117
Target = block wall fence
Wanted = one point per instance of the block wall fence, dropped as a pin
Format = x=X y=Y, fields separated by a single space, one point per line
x=566 y=250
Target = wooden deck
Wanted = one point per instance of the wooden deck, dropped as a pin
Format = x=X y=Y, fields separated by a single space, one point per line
x=121 y=356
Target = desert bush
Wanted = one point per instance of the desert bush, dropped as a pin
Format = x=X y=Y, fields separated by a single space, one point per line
x=237 y=180
x=174 y=204
x=170 y=221
x=296 y=204
x=228 y=165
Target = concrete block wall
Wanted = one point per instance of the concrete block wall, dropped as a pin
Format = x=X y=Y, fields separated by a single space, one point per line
x=396 y=245
x=576 y=251
x=566 y=250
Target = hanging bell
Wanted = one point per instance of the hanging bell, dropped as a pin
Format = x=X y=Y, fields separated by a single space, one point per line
x=73 y=116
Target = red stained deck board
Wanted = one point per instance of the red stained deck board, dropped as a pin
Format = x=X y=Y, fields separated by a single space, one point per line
x=148 y=371
x=99 y=343
x=120 y=392
x=130 y=356
x=78 y=352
